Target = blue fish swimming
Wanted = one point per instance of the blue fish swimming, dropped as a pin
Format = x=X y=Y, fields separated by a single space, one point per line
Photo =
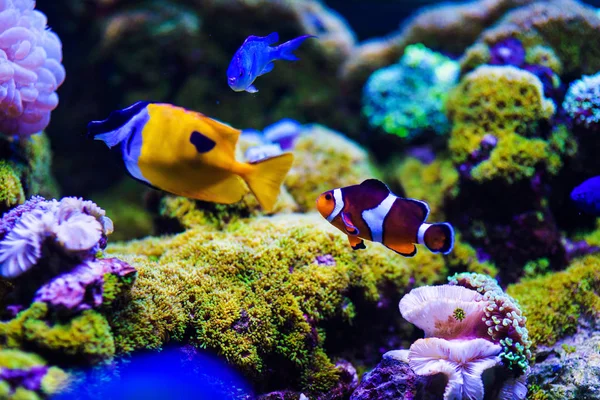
x=587 y=196
x=255 y=57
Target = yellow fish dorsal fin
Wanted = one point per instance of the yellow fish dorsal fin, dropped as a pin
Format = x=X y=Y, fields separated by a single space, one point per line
x=229 y=134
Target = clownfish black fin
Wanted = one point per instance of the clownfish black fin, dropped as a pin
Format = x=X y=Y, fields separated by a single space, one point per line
x=350 y=228
x=376 y=186
x=356 y=243
x=438 y=238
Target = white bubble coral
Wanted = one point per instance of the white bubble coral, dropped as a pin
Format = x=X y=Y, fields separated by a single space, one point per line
x=30 y=68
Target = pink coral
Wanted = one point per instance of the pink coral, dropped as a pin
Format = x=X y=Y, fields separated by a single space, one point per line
x=30 y=68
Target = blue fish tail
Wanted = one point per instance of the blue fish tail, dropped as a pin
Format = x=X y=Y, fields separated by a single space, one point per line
x=109 y=130
x=285 y=50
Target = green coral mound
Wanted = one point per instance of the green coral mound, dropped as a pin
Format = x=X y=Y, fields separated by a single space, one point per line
x=505 y=105
x=11 y=190
x=325 y=159
x=256 y=292
x=86 y=337
x=555 y=302
x=407 y=99
x=53 y=381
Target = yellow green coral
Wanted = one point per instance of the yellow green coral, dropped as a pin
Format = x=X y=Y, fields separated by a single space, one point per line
x=255 y=290
x=37 y=176
x=554 y=302
x=11 y=190
x=509 y=104
x=432 y=182
x=86 y=337
x=325 y=159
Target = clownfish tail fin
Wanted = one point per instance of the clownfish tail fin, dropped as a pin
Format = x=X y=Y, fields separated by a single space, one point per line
x=438 y=238
x=266 y=176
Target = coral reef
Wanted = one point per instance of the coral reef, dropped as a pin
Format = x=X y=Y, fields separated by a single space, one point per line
x=582 y=103
x=503 y=105
x=11 y=190
x=554 y=303
x=26 y=376
x=260 y=300
x=313 y=172
x=407 y=99
x=31 y=69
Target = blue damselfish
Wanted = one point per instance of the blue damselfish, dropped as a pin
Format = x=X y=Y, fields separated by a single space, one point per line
x=255 y=57
x=587 y=196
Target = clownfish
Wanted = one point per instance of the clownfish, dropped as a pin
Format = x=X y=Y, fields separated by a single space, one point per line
x=188 y=154
x=369 y=211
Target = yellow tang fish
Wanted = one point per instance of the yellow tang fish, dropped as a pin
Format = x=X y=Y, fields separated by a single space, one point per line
x=188 y=154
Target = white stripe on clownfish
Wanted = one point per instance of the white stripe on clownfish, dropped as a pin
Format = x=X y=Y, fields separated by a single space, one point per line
x=339 y=204
x=374 y=217
x=421 y=234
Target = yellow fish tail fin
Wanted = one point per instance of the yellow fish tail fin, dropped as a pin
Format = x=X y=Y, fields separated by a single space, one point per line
x=265 y=178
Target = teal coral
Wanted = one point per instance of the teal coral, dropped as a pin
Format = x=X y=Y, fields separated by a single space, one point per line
x=582 y=102
x=554 y=303
x=260 y=297
x=508 y=104
x=503 y=317
x=86 y=337
x=407 y=99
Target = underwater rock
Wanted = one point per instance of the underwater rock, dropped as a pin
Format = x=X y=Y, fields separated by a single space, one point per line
x=83 y=287
x=31 y=69
x=390 y=379
x=562 y=28
x=407 y=99
x=570 y=369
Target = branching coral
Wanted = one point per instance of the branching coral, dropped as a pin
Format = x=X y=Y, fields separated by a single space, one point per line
x=407 y=99
x=30 y=69
x=502 y=107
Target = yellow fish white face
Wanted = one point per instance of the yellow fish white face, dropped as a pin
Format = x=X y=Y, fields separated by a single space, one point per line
x=189 y=154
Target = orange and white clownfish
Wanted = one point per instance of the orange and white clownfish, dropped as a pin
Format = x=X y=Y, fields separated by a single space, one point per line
x=369 y=211
x=188 y=154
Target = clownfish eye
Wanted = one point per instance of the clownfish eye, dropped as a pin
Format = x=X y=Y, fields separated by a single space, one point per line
x=328 y=196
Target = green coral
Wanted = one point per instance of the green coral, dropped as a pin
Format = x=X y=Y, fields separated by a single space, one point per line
x=86 y=337
x=11 y=190
x=325 y=159
x=508 y=104
x=254 y=292
x=53 y=381
x=434 y=182
x=555 y=302
x=407 y=99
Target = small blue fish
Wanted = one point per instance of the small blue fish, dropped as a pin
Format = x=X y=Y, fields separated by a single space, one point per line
x=587 y=196
x=255 y=57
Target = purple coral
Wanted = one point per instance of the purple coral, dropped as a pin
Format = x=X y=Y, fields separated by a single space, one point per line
x=30 y=68
x=83 y=287
x=509 y=51
x=30 y=379
x=73 y=227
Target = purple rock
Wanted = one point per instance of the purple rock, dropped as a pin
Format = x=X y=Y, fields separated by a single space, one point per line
x=578 y=249
x=509 y=51
x=390 y=379
x=425 y=154
x=326 y=259
x=30 y=379
x=546 y=76
x=81 y=288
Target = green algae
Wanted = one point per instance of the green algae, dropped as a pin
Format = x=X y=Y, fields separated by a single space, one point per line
x=11 y=190
x=86 y=337
x=555 y=302
x=255 y=292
